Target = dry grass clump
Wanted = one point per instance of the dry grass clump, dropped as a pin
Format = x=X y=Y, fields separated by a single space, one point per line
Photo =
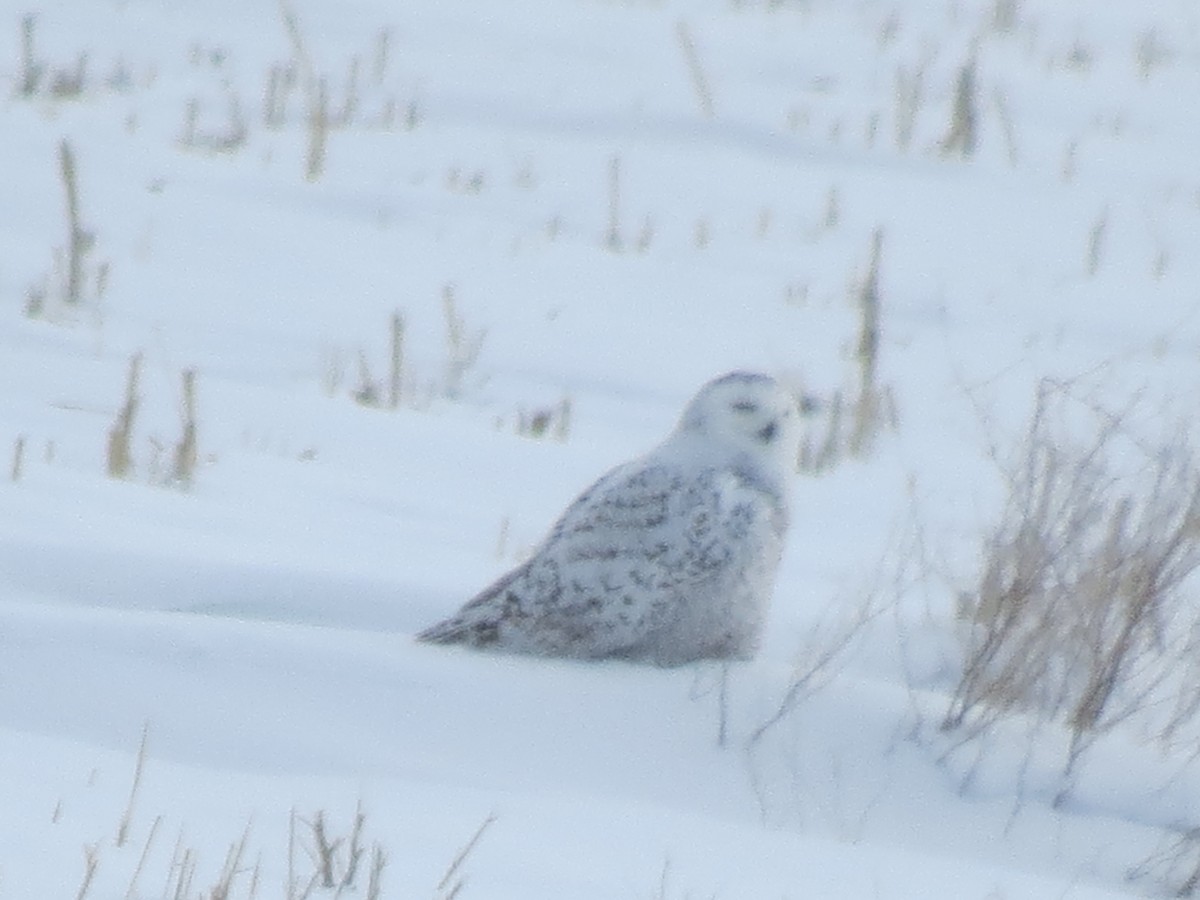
x=322 y=859
x=1082 y=614
x=463 y=345
x=18 y=460
x=548 y=421
x=119 y=456
x=184 y=457
x=37 y=77
x=853 y=425
x=75 y=277
x=400 y=387
x=336 y=862
x=962 y=137
x=696 y=73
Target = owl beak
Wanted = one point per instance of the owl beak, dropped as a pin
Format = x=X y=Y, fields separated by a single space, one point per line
x=766 y=434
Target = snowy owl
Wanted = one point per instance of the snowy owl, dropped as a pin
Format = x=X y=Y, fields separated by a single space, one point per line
x=667 y=559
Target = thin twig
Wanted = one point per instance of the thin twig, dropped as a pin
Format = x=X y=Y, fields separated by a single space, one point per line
x=462 y=855
x=127 y=818
x=131 y=892
x=695 y=69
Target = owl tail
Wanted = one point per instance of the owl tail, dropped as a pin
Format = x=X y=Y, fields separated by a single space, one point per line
x=478 y=623
x=451 y=631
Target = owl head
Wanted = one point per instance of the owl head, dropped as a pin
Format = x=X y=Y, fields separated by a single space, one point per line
x=746 y=413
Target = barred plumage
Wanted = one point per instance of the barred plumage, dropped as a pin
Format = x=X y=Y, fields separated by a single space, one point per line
x=667 y=559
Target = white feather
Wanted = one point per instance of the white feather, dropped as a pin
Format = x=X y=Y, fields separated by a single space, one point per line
x=667 y=559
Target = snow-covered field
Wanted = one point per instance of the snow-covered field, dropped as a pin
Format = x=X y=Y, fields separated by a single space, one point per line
x=578 y=211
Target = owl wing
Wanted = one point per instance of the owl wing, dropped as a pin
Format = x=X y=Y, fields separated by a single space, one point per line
x=558 y=601
x=590 y=584
x=612 y=572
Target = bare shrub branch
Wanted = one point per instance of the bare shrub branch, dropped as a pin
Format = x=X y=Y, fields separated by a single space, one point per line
x=816 y=665
x=1079 y=616
x=1175 y=867
x=831 y=639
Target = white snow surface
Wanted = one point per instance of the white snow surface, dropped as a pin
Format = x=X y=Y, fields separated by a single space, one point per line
x=256 y=623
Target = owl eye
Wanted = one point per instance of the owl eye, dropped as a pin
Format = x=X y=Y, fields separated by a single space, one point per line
x=745 y=406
